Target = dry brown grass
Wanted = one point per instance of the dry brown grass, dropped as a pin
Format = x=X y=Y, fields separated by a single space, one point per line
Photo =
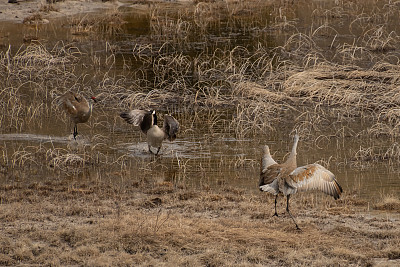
x=34 y=19
x=80 y=204
x=261 y=87
x=48 y=8
x=168 y=225
x=107 y=25
x=389 y=203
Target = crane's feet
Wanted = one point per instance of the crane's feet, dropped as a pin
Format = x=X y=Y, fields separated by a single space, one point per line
x=275 y=214
x=75 y=132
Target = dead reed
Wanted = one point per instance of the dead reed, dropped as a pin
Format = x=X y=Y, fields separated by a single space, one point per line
x=340 y=93
x=91 y=25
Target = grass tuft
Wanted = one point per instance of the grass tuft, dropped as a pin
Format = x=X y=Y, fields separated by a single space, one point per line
x=389 y=203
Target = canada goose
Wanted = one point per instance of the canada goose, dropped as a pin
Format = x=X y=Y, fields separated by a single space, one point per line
x=147 y=120
x=287 y=178
x=77 y=107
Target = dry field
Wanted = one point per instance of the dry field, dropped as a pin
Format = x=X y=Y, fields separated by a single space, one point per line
x=72 y=203
x=101 y=223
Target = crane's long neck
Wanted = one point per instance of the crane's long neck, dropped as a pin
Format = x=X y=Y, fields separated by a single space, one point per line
x=91 y=102
x=291 y=162
x=267 y=160
x=90 y=108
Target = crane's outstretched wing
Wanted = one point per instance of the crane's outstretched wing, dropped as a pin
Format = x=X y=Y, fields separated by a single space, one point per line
x=137 y=117
x=171 y=127
x=314 y=176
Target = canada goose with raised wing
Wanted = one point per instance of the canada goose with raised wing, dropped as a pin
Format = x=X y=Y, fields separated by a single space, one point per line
x=147 y=120
x=77 y=107
x=287 y=178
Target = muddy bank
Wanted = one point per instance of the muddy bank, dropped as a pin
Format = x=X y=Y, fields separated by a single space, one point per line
x=21 y=10
x=18 y=11
x=100 y=223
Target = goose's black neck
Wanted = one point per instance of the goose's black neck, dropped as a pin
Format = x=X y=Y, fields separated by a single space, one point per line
x=154 y=117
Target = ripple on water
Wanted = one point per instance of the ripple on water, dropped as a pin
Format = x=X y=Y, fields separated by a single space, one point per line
x=80 y=139
x=176 y=149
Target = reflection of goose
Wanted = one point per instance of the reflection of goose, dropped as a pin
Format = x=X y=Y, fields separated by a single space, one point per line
x=77 y=107
x=287 y=179
x=147 y=120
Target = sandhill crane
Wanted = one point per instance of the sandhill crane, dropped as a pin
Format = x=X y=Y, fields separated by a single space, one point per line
x=77 y=107
x=287 y=178
x=147 y=120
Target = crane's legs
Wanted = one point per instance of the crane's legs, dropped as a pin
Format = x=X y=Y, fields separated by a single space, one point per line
x=150 y=150
x=275 y=214
x=158 y=150
x=75 y=131
x=287 y=209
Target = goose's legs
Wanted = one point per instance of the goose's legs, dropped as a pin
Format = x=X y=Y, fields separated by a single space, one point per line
x=287 y=209
x=158 y=150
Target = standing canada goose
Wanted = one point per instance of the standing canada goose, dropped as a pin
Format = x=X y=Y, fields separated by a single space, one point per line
x=77 y=107
x=147 y=120
x=287 y=178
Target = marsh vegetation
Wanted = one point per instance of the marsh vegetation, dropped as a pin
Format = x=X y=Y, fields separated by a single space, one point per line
x=236 y=75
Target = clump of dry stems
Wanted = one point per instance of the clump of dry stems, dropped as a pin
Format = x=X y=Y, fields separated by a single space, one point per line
x=109 y=24
x=227 y=90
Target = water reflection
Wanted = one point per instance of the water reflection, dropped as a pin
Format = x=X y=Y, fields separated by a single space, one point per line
x=176 y=149
x=217 y=160
x=34 y=138
x=199 y=157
